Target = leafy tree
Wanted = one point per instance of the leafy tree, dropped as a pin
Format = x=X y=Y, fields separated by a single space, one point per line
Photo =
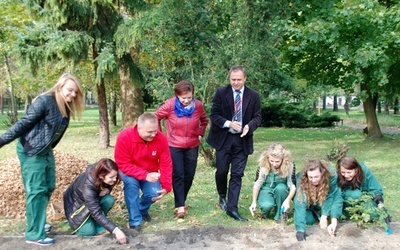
x=71 y=31
x=349 y=43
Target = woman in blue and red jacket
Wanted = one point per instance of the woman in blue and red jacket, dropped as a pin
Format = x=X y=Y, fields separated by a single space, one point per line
x=186 y=122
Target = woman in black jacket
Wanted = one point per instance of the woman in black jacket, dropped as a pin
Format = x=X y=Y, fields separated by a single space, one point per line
x=39 y=131
x=87 y=200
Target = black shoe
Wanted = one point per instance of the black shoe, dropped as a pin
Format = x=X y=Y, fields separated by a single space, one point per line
x=146 y=217
x=136 y=228
x=222 y=203
x=235 y=215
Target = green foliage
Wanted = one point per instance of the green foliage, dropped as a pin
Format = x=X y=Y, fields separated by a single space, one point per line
x=276 y=113
x=326 y=119
x=365 y=212
x=337 y=151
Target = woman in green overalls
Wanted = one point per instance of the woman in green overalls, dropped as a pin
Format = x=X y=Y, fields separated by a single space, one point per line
x=354 y=179
x=275 y=185
x=318 y=196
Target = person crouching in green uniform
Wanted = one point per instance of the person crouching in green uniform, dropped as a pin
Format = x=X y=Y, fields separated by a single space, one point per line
x=275 y=184
x=39 y=131
x=355 y=179
x=317 y=190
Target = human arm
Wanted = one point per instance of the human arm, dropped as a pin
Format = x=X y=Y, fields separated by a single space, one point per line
x=253 y=205
x=371 y=184
x=291 y=182
x=35 y=113
x=203 y=119
x=92 y=202
x=261 y=176
x=119 y=235
x=165 y=164
x=164 y=111
x=300 y=211
x=333 y=204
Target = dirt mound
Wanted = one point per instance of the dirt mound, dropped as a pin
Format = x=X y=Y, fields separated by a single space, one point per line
x=12 y=200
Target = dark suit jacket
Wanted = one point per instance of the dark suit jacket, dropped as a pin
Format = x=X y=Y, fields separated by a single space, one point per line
x=223 y=110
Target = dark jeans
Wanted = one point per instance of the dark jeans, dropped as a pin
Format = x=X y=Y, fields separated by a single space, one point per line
x=184 y=162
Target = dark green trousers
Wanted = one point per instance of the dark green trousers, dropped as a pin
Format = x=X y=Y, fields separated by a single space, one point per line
x=91 y=227
x=39 y=178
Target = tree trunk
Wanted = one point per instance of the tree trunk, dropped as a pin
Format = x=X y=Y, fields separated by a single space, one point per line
x=104 y=140
x=347 y=104
x=131 y=93
x=113 y=109
x=324 y=102
x=14 y=111
x=335 y=104
x=374 y=130
x=379 y=107
x=396 y=106
x=387 y=105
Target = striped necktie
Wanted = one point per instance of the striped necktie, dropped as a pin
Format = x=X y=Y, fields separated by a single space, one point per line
x=238 y=107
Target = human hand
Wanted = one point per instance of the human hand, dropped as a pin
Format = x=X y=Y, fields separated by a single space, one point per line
x=104 y=192
x=153 y=177
x=285 y=206
x=332 y=227
x=323 y=223
x=235 y=125
x=120 y=236
x=252 y=208
x=300 y=236
x=162 y=192
x=245 y=130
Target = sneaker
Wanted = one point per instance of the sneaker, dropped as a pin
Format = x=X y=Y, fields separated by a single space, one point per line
x=47 y=227
x=146 y=217
x=42 y=242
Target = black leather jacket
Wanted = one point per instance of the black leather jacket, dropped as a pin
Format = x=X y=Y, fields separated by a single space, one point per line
x=81 y=200
x=37 y=128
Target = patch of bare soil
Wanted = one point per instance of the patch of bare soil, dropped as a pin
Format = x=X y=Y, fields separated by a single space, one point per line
x=349 y=236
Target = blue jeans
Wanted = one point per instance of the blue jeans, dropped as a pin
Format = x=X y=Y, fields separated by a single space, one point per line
x=137 y=204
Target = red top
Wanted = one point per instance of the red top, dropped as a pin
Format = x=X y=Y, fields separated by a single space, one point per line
x=137 y=158
x=183 y=132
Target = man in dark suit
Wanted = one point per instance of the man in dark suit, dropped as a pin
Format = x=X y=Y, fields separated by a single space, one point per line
x=235 y=115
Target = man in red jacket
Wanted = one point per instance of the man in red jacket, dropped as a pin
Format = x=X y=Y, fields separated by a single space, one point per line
x=144 y=163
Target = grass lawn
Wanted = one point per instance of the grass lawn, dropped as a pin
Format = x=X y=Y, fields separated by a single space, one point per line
x=381 y=156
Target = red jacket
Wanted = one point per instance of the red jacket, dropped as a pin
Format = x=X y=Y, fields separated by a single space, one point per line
x=137 y=158
x=183 y=132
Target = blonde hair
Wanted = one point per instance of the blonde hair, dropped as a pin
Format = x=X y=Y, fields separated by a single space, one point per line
x=315 y=194
x=76 y=103
x=279 y=151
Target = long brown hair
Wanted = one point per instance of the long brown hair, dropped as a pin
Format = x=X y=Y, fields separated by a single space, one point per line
x=103 y=167
x=349 y=163
x=315 y=194
x=76 y=103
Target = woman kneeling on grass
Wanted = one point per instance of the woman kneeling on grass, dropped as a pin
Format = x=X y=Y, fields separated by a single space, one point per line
x=318 y=190
x=275 y=185
x=87 y=200
x=355 y=179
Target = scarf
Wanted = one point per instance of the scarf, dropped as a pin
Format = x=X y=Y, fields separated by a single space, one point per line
x=181 y=111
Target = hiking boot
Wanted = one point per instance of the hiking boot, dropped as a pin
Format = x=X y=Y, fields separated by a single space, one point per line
x=42 y=242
